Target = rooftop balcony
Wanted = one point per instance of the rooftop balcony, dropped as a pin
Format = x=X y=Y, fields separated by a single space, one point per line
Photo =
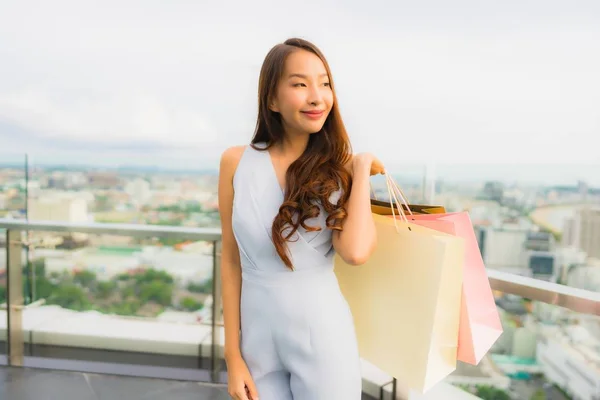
x=51 y=340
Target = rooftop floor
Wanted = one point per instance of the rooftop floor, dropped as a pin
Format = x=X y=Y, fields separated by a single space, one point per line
x=34 y=384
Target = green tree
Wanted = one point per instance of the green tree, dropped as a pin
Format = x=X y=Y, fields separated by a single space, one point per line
x=129 y=307
x=539 y=395
x=194 y=208
x=168 y=208
x=157 y=291
x=43 y=287
x=123 y=277
x=128 y=292
x=39 y=266
x=85 y=278
x=204 y=287
x=70 y=296
x=151 y=275
x=491 y=393
x=54 y=275
x=190 y=304
x=2 y=294
x=40 y=287
x=104 y=288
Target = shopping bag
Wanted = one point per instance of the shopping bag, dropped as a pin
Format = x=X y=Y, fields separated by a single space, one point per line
x=480 y=325
x=385 y=208
x=405 y=301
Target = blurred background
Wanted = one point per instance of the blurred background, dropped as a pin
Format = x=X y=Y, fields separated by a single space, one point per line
x=113 y=116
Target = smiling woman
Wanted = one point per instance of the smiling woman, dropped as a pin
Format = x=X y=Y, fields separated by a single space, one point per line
x=289 y=201
x=290 y=101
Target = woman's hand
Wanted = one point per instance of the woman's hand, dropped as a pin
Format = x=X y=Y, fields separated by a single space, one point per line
x=240 y=384
x=367 y=160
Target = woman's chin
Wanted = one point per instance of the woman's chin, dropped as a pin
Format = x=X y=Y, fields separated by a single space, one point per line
x=313 y=128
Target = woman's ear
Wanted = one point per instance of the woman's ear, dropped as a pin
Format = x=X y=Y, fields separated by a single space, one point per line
x=274 y=106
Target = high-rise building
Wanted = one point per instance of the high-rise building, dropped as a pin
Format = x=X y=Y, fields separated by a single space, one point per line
x=583 y=231
x=493 y=191
x=503 y=248
x=569 y=359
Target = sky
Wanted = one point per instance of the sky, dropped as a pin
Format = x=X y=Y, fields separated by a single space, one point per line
x=481 y=85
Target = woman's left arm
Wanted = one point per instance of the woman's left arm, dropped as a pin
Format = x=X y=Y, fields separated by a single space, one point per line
x=358 y=238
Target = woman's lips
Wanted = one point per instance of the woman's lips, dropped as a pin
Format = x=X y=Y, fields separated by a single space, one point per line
x=316 y=114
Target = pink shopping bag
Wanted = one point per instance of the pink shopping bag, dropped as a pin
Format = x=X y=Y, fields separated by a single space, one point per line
x=480 y=324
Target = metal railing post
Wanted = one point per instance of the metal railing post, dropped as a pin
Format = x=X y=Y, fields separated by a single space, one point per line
x=216 y=312
x=14 y=298
x=394 y=383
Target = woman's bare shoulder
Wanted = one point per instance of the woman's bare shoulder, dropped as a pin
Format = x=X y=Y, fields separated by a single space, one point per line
x=231 y=157
x=233 y=153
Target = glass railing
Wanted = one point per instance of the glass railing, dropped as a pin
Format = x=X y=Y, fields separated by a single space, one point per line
x=89 y=288
x=545 y=352
x=13 y=204
x=144 y=293
x=120 y=275
x=548 y=349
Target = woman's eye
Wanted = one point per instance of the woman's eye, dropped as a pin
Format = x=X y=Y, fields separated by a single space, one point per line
x=298 y=84
x=327 y=84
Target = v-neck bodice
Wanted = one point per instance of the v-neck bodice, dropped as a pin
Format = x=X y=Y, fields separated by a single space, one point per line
x=257 y=199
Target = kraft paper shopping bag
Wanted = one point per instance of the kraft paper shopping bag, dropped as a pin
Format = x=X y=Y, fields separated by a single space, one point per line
x=406 y=301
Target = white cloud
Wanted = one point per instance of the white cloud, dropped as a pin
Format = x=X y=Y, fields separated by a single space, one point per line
x=462 y=82
x=125 y=118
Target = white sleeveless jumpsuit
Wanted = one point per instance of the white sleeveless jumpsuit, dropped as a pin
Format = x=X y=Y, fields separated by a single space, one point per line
x=297 y=332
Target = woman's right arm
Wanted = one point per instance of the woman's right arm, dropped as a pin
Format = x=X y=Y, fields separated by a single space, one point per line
x=231 y=271
x=240 y=383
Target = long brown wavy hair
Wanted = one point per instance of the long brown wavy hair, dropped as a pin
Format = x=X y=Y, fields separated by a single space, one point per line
x=319 y=171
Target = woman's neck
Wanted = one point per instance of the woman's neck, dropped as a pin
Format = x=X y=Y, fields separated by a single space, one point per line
x=292 y=146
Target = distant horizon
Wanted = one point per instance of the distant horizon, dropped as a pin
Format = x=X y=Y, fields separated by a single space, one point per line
x=523 y=173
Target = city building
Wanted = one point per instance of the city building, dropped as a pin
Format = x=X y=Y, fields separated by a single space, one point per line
x=539 y=241
x=103 y=180
x=139 y=190
x=583 y=231
x=542 y=264
x=494 y=242
x=585 y=275
x=59 y=206
x=570 y=358
x=493 y=191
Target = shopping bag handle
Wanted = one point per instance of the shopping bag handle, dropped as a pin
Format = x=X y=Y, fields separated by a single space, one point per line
x=392 y=193
x=394 y=200
x=400 y=194
x=390 y=182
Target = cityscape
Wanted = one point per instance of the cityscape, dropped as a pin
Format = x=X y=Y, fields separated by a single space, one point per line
x=546 y=232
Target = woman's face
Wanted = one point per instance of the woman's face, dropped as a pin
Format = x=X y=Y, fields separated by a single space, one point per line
x=304 y=97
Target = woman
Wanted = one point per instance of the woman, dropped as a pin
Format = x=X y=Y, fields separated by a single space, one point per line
x=289 y=201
